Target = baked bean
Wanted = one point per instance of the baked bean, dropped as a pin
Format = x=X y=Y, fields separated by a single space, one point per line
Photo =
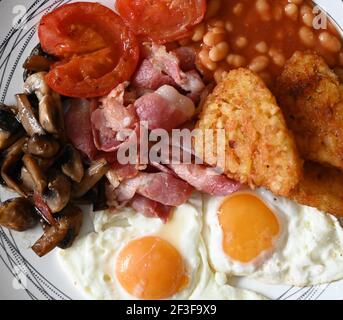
x=277 y=13
x=212 y=8
x=297 y=2
x=263 y=9
x=219 y=51
x=308 y=19
x=259 y=63
x=238 y=9
x=277 y=57
x=306 y=35
x=236 y=60
x=211 y=38
x=292 y=11
x=228 y=26
x=199 y=32
x=216 y=23
x=305 y=9
x=206 y=61
x=261 y=47
x=329 y=42
x=219 y=74
x=241 y=42
x=218 y=30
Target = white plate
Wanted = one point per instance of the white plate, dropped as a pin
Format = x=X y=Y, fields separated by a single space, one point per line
x=22 y=274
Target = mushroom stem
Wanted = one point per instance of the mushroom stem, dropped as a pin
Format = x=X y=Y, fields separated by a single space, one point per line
x=50 y=106
x=92 y=175
x=37 y=175
x=62 y=234
x=12 y=156
x=72 y=165
x=27 y=116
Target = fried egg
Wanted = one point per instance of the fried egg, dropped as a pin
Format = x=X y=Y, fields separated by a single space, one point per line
x=130 y=256
x=272 y=239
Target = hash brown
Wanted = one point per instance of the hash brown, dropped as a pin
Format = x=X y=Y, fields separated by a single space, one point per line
x=311 y=98
x=259 y=149
x=321 y=187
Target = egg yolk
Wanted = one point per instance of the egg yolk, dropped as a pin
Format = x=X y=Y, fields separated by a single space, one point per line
x=151 y=268
x=249 y=227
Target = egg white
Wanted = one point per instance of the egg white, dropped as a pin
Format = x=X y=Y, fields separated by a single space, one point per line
x=90 y=262
x=309 y=250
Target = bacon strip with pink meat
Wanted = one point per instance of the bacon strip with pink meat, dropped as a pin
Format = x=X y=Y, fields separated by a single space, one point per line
x=78 y=126
x=151 y=208
x=165 y=108
x=110 y=120
x=161 y=187
x=205 y=179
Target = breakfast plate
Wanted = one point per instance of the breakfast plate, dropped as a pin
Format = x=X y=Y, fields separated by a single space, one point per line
x=24 y=275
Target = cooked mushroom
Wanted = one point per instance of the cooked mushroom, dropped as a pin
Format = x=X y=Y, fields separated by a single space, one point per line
x=27 y=180
x=27 y=116
x=50 y=106
x=92 y=175
x=72 y=165
x=58 y=192
x=100 y=201
x=43 y=209
x=62 y=234
x=36 y=173
x=37 y=61
x=10 y=127
x=18 y=214
x=45 y=146
x=45 y=164
x=10 y=164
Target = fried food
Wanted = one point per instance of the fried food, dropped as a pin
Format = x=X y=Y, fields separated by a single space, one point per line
x=242 y=130
x=321 y=187
x=311 y=97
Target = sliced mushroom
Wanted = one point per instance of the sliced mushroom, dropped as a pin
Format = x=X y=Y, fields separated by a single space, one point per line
x=72 y=165
x=27 y=180
x=50 y=106
x=58 y=192
x=36 y=173
x=9 y=166
x=27 y=116
x=37 y=61
x=43 y=209
x=45 y=164
x=92 y=175
x=18 y=214
x=10 y=128
x=100 y=202
x=62 y=234
x=44 y=146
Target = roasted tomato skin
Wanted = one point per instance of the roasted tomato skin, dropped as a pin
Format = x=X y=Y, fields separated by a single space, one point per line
x=96 y=50
x=161 y=21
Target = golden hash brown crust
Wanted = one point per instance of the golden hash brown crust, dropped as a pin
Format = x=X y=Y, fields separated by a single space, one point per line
x=321 y=187
x=311 y=98
x=258 y=147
